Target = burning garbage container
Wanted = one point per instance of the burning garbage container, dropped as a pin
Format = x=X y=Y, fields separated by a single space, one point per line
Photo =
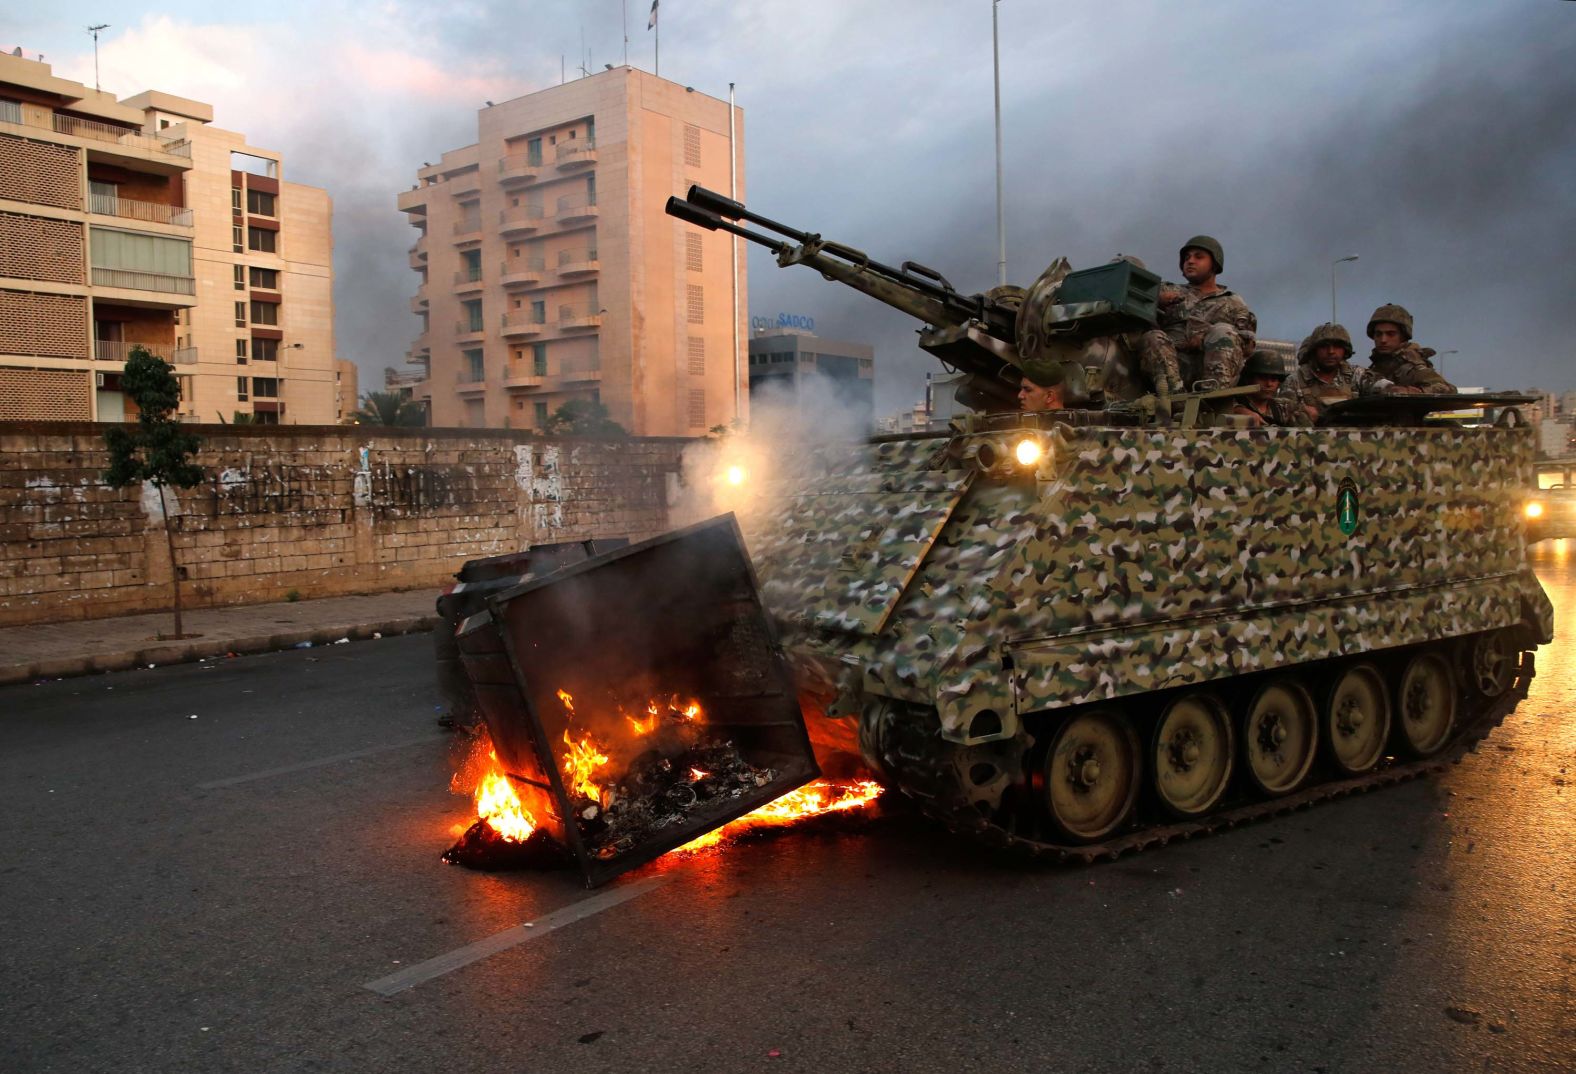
x=639 y=699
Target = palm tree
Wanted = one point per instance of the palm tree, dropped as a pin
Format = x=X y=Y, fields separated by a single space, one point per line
x=389 y=408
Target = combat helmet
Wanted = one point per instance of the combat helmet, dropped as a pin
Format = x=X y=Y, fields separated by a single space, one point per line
x=1329 y=332
x=1393 y=314
x=1267 y=363
x=1208 y=245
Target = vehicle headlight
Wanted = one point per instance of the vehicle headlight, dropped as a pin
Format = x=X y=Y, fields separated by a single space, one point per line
x=1028 y=451
x=1533 y=509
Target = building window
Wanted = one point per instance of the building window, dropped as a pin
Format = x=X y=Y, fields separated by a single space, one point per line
x=240 y=315
x=235 y=198
x=262 y=240
x=242 y=387
x=240 y=277
x=260 y=203
x=475 y=368
x=697 y=408
x=127 y=252
x=539 y=359
x=240 y=352
x=265 y=278
x=697 y=355
x=541 y=415
x=265 y=387
x=265 y=350
x=471 y=264
x=691 y=146
x=238 y=239
x=692 y=249
x=539 y=311
x=10 y=111
x=695 y=304
x=265 y=313
x=533 y=151
x=471 y=315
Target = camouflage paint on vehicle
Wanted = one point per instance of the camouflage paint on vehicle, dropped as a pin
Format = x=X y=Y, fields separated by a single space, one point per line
x=939 y=572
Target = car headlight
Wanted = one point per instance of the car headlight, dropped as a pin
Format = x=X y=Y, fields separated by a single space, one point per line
x=1028 y=451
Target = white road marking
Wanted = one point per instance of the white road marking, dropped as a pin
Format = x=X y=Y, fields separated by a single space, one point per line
x=411 y=976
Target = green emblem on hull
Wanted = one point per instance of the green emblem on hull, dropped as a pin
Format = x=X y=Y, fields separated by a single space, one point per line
x=1346 y=508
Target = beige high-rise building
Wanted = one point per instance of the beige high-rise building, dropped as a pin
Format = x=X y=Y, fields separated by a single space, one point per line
x=347 y=398
x=549 y=271
x=135 y=221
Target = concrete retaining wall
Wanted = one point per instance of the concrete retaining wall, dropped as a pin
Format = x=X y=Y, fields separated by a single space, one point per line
x=318 y=510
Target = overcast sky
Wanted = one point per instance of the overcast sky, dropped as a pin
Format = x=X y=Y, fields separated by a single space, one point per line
x=1436 y=139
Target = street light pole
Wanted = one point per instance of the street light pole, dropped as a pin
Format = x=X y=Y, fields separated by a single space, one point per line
x=1338 y=261
x=1001 y=221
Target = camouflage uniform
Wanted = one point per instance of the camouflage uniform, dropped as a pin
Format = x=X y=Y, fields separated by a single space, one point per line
x=1229 y=332
x=1282 y=410
x=1411 y=366
x=1305 y=388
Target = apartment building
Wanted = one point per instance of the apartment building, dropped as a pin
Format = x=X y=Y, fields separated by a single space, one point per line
x=549 y=271
x=795 y=367
x=347 y=398
x=135 y=221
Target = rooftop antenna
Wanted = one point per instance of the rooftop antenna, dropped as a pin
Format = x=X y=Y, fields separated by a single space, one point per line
x=626 y=32
x=94 y=30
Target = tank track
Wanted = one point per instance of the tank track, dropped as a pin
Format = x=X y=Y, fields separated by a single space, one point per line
x=922 y=767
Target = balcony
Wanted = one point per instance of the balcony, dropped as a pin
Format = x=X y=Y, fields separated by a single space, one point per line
x=420 y=349
x=514 y=171
x=575 y=318
x=468 y=280
x=470 y=380
x=572 y=155
x=468 y=230
x=151 y=211
x=119 y=351
x=577 y=262
x=468 y=331
x=573 y=208
x=91 y=130
x=520 y=219
x=521 y=273
x=144 y=281
x=523 y=378
x=418 y=301
x=418 y=253
x=467 y=183
x=412 y=201
x=523 y=323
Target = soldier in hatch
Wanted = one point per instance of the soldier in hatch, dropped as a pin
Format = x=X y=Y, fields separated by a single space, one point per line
x=1325 y=375
x=1206 y=331
x=1396 y=358
x=1268 y=370
x=1034 y=395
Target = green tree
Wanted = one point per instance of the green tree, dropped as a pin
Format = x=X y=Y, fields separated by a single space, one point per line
x=582 y=417
x=389 y=408
x=157 y=449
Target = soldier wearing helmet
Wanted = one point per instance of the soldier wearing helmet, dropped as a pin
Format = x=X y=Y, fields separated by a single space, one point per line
x=1040 y=390
x=1269 y=370
x=1325 y=375
x=1206 y=331
x=1397 y=358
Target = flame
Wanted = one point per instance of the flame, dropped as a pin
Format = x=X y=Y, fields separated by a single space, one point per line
x=698 y=774
x=812 y=800
x=580 y=764
x=497 y=803
x=644 y=727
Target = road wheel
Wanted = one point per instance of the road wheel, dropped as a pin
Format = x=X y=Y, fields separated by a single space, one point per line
x=1280 y=736
x=1092 y=775
x=1357 y=720
x=1491 y=663
x=1426 y=704
x=1192 y=755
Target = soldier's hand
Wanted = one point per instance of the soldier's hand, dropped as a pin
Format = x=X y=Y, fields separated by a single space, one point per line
x=1169 y=296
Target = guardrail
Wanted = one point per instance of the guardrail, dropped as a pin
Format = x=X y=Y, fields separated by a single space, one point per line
x=100 y=132
x=151 y=211
x=144 y=281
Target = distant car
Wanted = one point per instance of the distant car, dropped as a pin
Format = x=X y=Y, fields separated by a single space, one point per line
x=1550 y=512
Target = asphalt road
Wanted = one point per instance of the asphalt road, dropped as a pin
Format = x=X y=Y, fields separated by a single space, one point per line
x=206 y=867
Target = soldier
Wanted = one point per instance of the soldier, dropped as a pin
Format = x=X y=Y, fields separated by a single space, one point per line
x=1206 y=331
x=1325 y=375
x=1269 y=370
x=1033 y=395
x=1397 y=358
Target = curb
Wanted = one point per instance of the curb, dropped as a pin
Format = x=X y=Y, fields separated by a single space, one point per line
x=187 y=652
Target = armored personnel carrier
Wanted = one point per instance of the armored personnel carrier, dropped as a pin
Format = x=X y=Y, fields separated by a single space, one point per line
x=1086 y=631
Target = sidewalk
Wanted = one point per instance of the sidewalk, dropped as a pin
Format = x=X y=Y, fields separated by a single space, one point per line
x=81 y=647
